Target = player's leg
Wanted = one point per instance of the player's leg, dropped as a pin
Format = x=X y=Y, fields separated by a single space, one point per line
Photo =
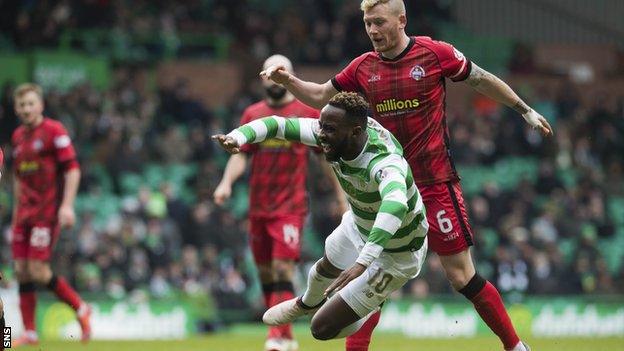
x=285 y=234
x=450 y=236
x=20 y=238
x=360 y=340
x=43 y=240
x=261 y=247
x=340 y=253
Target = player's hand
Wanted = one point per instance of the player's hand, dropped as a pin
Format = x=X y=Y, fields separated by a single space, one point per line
x=66 y=216
x=227 y=143
x=222 y=193
x=278 y=74
x=344 y=278
x=538 y=122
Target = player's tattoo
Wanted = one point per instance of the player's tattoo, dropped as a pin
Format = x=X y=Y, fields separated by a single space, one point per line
x=477 y=74
x=521 y=107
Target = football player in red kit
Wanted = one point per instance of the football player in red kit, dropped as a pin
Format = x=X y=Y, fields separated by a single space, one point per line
x=404 y=81
x=46 y=180
x=1 y=304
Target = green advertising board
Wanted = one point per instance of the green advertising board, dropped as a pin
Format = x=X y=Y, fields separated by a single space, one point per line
x=63 y=70
x=540 y=317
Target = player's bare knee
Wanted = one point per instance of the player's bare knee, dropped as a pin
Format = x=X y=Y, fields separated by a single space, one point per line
x=326 y=269
x=458 y=277
x=283 y=270
x=321 y=330
x=39 y=272
x=265 y=272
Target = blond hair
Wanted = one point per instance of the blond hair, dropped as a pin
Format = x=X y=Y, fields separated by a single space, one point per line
x=397 y=6
x=25 y=88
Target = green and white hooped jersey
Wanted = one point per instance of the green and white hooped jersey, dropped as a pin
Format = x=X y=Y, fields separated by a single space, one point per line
x=386 y=205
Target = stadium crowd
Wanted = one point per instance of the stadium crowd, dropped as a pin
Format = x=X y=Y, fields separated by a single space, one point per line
x=142 y=233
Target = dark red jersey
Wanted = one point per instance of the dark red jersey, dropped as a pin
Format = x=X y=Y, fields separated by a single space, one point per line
x=407 y=96
x=41 y=157
x=278 y=167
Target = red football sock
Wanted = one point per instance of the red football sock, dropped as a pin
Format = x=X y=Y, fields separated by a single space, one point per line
x=284 y=291
x=489 y=305
x=27 y=305
x=360 y=340
x=65 y=292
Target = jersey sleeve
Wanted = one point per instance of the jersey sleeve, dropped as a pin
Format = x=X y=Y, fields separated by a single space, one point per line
x=454 y=64
x=346 y=80
x=1 y=162
x=63 y=149
x=392 y=211
x=247 y=148
x=303 y=130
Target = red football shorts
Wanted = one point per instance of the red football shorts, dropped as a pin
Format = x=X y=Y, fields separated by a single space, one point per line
x=34 y=242
x=449 y=231
x=275 y=238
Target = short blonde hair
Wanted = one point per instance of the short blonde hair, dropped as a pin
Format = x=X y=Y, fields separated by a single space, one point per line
x=397 y=6
x=24 y=88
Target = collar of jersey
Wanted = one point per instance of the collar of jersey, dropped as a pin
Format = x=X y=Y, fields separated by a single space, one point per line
x=356 y=161
x=403 y=53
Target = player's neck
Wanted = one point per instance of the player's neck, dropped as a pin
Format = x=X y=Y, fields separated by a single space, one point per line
x=36 y=123
x=397 y=50
x=356 y=149
x=285 y=100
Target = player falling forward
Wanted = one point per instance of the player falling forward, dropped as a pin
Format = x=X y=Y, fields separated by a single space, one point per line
x=404 y=81
x=278 y=200
x=380 y=243
x=45 y=185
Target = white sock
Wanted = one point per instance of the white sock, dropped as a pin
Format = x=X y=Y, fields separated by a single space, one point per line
x=354 y=327
x=317 y=284
x=519 y=347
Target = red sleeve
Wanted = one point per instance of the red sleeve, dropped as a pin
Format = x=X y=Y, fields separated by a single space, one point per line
x=64 y=151
x=455 y=65
x=247 y=148
x=346 y=80
x=1 y=159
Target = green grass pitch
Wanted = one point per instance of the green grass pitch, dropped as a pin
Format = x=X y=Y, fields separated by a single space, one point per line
x=251 y=338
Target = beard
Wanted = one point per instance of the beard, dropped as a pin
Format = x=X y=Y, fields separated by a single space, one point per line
x=275 y=92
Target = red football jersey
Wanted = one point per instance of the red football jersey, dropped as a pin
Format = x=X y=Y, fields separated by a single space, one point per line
x=407 y=96
x=278 y=167
x=41 y=157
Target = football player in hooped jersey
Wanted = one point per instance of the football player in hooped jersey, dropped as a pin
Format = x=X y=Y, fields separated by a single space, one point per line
x=381 y=241
x=403 y=80
x=45 y=185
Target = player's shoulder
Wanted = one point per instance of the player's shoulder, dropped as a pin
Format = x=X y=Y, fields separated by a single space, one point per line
x=256 y=109
x=18 y=132
x=305 y=110
x=53 y=125
x=432 y=44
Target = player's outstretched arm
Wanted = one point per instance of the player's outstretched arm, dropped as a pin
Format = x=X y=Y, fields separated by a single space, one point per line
x=310 y=93
x=66 y=214
x=493 y=87
x=303 y=130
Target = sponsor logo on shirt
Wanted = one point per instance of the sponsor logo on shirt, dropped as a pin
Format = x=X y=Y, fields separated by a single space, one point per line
x=275 y=144
x=26 y=167
x=37 y=145
x=417 y=72
x=374 y=78
x=391 y=105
